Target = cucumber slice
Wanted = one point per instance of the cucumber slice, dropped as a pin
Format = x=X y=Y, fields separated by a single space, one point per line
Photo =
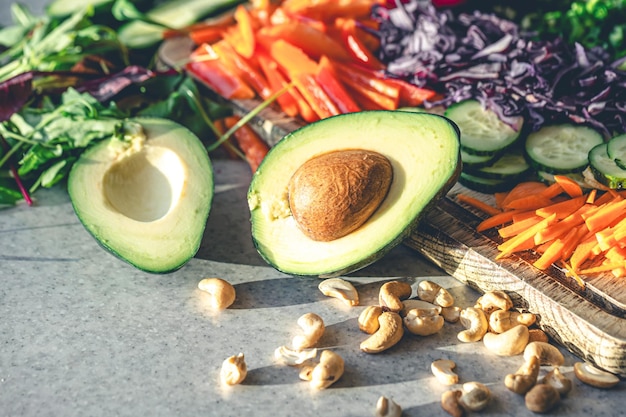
x=485 y=185
x=616 y=149
x=482 y=131
x=476 y=161
x=561 y=149
x=511 y=165
x=604 y=168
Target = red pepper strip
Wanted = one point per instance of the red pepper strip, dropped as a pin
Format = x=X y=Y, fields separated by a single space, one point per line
x=369 y=99
x=326 y=10
x=286 y=101
x=357 y=47
x=333 y=87
x=245 y=26
x=311 y=40
x=367 y=78
x=315 y=95
x=243 y=68
x=410 y=94
x=206 y=35
x=293 y=59
x=250 y=143
x=215 y=74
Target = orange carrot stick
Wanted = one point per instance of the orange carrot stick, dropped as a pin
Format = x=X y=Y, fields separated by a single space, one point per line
x=571 y=187
x=514 y=244
x=478 y=204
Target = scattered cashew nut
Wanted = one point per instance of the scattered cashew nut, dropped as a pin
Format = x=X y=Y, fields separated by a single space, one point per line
x=524 y=378
x=313 y=327
x=423 y=322
x=389 y=333
x=421 y=304
x=434 y=293
x=509 y=343
x=329 y=369
x=368 y=319
x=547 y=354
x=559 y=381
x=293 y=357
x=451 y=314
x=494 y=300
x=450 y=402
x=476 y=396
x=392 y=293
x=475 y=323
x=537 y=335
x=542 y=398
x=502 y=320
x=341 y=289
x=443 y=371
x=593 y=376
x=222 y=293
x=234 y=370
x=386 y=407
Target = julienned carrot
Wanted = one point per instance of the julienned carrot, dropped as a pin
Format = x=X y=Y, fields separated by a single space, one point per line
x=512 y=245
x=518 y=227
x=571 y=187
x=496 y=220
x=527 y=202
x=523 y=189
x=562 y=208
x=606 y=216
x=476 y=203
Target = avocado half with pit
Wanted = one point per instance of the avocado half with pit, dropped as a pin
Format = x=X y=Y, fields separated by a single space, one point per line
x=146 y=198
x=338 y=194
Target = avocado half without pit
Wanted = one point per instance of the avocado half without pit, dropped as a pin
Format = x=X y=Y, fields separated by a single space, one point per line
x=146 y=198
x=336 y=195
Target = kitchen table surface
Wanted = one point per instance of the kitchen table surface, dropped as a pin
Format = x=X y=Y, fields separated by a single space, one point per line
x=85 y=334
x=82 y=333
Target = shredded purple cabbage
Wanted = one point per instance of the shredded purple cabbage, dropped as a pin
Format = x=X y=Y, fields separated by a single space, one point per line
x=484 y=57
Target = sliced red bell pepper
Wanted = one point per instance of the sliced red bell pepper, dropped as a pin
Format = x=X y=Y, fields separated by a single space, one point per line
x=292 y=58
x=245 y=26
x=243 y=68
x=327 y=78
x=277 y=81
x=216 y=75
x=315 y=95
x=367 y=78
x=356 y=47
x=410 y=94
x=250 y=143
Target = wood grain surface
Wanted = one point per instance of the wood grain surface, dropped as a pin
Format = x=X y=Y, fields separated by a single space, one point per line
x=590 y=322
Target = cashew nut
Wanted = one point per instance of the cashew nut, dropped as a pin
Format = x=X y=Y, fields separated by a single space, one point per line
x=222 y=294
x=475 y=323
x=434 y=293
x=502 y=320
x=341 y=289
x=327 y=371
x=559 y=381
x=524 y=378
x=451 y=314
x=542 y=398
x=547 y=354
x=392 y=293
x=293 y=357
x=510 y=343
x=442 y=369
x=593 y=376
x=389 y=333
x=234 y=370
x=423 y=322
x=386 y=407
x=368 y=319
x=313 y=327
x=421 y=304
x=475 y=396
x=450 y=402
x=494 y=300
x=537 y=335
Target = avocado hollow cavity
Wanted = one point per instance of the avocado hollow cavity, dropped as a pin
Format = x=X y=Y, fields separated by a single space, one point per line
x=145 y=185
x=424 y=153
x=334 y=193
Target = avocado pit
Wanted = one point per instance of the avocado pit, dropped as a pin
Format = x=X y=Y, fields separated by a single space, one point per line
x=334 y=193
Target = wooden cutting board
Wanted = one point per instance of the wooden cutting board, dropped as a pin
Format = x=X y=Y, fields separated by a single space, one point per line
x=590 y=322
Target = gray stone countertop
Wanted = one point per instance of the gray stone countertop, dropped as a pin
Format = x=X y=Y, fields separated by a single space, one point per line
x=82 y=333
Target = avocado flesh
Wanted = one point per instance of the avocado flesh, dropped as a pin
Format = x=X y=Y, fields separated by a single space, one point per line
x=147 y=200
x=425 y=155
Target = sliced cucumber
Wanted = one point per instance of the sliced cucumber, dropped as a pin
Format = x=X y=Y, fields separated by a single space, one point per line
x=476 y=161
x=561 y=149
x=482 y=131
x=485 y=185
x=511 y=165
x=604 y=168
x=616 y=149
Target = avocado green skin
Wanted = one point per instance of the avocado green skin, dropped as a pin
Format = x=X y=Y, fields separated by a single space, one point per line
x=178 y=243
x=409 y=228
